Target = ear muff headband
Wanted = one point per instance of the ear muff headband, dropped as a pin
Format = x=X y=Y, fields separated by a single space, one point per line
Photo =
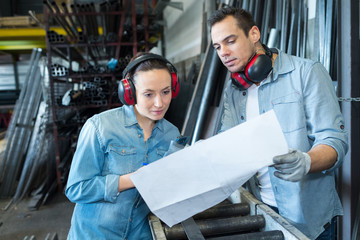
x=124 y=85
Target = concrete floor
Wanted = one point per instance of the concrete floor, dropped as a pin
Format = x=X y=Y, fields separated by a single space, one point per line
x=18 y=221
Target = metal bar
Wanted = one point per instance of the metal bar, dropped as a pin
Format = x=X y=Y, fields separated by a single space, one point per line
x=305 y=29
x=31 y=156
x=268 y=235
x=121 y=29
x=146 y=22
x=285 y=16
x=16 y=72
x=321 y=7
x=291 y=35
x=28 y=108
x=278 y=14
x=72 y=23
x=328 y=31
x=219 y=226
x=192 y=231
x=58 y=19
x=63 y=20
x=93 y=18
x=79 y=22
x=222 y=211
x=299 y=20
x=14 y=118
x=209 y=80
x=265 y=22
x=245 y=5
x=133 y=23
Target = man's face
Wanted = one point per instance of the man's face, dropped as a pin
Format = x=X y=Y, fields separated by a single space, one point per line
x=232 y=45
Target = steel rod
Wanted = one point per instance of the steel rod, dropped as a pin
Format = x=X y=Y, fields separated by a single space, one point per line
x=219 y=226
x=267 y=235
x=221 y=211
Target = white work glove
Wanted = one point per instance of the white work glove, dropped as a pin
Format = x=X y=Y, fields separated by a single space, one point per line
x=292 y=166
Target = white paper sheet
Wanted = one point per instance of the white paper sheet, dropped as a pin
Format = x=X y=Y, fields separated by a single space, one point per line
x=198 y=177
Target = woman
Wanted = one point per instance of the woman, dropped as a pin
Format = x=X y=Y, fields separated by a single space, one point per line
x=114 y=144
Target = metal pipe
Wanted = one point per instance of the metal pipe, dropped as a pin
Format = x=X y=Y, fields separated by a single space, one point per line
x=222 y=211
x=22 y=134
x=299 y=18
x=265 y=22
x=268 y=235
x=72 y=24
x=219 y=226
x=79 y=21
x=57 y=19
x=320 y=50
x=305 y=29
x=285 y=16
x=11 y=128
x=30 y=164
x=328 y=30
x=63 y=21
x=273 y=40
x=91 y=7
x=210 y=78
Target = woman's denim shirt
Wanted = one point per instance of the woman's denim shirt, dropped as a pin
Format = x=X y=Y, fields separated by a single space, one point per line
x=303 y=97
x=112 y=144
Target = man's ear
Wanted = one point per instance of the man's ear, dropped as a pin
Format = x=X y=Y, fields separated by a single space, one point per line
x=254 y=34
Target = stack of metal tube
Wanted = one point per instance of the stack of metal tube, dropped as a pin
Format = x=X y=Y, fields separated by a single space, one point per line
x=223 y=221
x=21 y=127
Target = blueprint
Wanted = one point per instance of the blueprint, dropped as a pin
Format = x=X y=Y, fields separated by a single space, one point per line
x=200 y=176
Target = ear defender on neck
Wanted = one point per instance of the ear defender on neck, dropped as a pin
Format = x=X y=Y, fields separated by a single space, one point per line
x=126 y=88
x=256 y=70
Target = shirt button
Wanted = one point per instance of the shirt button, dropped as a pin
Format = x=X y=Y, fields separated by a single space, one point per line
x=139 y=135
x=130 y=219
x=342 y=127
x=242 y=117
x=123 y=151
x=244 y=93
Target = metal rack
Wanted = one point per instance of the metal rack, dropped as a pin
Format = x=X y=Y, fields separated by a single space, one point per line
x=81 y=79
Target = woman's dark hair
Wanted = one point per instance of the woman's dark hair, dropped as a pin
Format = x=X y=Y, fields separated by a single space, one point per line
x=245 y=20
x=147 y=65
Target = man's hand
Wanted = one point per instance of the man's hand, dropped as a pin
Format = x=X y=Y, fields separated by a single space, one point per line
x=292 y=166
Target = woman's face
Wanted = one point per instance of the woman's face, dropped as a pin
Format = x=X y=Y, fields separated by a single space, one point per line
x=153 y=94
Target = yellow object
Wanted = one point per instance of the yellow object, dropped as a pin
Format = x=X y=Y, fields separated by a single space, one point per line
x=27 y=38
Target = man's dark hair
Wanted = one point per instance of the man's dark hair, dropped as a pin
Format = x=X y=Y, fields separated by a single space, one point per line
x=245 y=20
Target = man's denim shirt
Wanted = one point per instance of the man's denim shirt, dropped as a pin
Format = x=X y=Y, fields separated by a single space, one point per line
x=112 y=144
x=303 y=97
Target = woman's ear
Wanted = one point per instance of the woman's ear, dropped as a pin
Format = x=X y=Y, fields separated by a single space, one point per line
x=254 y=34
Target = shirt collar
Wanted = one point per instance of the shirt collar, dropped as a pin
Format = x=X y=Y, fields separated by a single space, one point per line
x=130 y=118
x=283 y=64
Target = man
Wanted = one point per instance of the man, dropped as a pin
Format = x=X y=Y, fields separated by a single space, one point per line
x=301 y=184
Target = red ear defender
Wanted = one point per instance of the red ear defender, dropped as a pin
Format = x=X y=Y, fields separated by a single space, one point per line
x=175 y=85
x=126 y=92
x=258 y=68
x=240 y=80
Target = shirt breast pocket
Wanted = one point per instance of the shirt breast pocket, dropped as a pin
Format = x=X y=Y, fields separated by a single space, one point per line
x=122 y=159
x=290 y=112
